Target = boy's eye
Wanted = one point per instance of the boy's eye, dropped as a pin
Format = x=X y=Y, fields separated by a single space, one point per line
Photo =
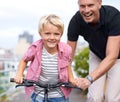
x=54 y=34
x=57 y=34
x=47 y=33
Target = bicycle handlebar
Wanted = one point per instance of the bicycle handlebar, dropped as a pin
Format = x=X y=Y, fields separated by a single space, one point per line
x=29 y=83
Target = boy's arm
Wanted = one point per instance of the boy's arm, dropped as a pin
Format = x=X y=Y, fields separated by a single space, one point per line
x=19 y=75
x=71 y=76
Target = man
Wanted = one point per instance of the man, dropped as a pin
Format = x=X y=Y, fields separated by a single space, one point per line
x=100 y=27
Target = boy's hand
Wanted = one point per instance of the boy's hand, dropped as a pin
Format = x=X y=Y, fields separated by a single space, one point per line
x=73 y=81
x=18 y=79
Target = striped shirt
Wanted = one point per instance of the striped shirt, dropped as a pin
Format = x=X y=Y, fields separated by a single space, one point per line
x=49 y=74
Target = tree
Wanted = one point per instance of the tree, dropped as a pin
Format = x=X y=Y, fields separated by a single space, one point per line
x=81 y=62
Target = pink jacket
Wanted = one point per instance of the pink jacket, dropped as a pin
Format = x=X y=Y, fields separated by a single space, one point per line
x=34 y=54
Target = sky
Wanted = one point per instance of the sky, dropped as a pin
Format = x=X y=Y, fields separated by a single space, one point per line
x=17 y=16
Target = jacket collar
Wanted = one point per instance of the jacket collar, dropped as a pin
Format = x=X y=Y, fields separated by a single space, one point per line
x=39 y=45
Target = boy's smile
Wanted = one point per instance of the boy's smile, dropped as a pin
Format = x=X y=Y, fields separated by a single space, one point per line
x=51 y=36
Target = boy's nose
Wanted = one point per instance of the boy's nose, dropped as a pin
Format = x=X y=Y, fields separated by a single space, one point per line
x=52 y=36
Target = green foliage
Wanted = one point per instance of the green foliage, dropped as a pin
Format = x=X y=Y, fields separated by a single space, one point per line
x=81 y=62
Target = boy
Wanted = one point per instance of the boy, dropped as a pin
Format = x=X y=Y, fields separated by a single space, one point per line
x=50 y=60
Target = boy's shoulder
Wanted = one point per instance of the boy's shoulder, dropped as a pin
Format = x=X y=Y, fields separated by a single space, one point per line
x=64 y=46
x=36 y=43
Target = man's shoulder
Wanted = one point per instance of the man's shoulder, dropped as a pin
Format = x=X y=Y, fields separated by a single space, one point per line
x=109 y=9
x=77 y=20
x=108 y=13
x=76 y=16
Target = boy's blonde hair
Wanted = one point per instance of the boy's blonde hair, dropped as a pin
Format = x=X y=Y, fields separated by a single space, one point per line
x=52 y=19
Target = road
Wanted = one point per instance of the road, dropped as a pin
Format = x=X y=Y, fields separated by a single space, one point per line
x=75 y=96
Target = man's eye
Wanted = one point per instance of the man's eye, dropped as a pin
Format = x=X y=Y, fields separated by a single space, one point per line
x=91 y=5
x=82 y=6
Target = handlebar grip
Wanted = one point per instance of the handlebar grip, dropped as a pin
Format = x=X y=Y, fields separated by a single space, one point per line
x=12 y=80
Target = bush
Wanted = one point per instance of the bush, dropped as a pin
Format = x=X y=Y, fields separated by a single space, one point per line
x=81 y=64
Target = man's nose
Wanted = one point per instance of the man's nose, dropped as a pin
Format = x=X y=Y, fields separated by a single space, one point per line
x=86 y=9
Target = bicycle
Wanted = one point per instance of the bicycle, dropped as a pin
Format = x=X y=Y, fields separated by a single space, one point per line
x=46 y=87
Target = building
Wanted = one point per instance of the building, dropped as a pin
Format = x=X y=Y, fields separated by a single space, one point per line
x=6 y=55
x=24 y=42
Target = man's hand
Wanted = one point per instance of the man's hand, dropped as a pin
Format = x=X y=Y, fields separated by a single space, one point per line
x=83 y=83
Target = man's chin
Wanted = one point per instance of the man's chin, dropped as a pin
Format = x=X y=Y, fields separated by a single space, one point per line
x=88 y=21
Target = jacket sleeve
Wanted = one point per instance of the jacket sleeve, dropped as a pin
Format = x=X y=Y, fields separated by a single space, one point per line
x=29 y=54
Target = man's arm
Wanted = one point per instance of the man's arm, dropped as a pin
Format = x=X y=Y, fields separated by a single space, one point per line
x=112 y=51
x=73 y=46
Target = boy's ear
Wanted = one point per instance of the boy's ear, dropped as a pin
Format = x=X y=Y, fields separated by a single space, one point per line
x=39 y=33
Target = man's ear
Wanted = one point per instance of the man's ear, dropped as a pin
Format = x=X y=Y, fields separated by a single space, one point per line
x=100 y=3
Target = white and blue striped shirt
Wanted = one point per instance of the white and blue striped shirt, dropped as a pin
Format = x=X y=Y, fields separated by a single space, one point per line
x=49 y=74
